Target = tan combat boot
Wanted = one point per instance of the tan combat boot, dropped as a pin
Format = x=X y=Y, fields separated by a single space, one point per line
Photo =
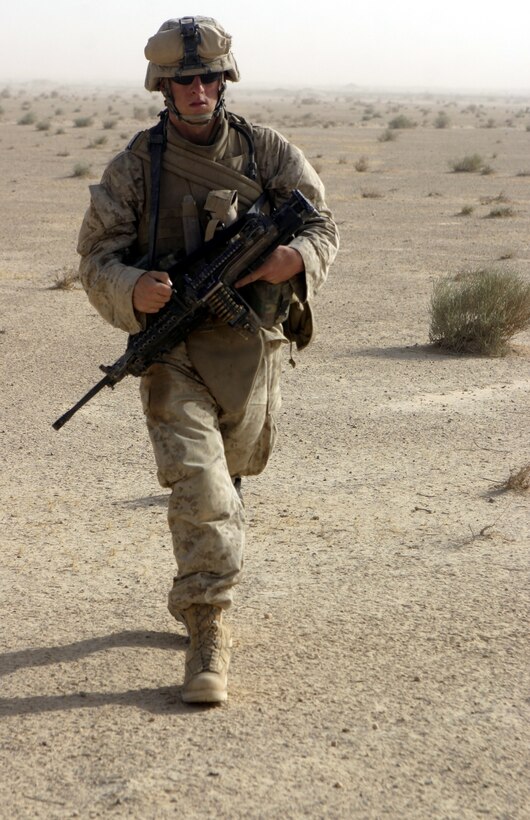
x=208 y=655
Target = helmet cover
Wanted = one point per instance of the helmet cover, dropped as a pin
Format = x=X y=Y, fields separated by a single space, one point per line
x=186 y=46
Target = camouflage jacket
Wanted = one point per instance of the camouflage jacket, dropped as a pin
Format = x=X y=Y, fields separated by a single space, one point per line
x=115 y=226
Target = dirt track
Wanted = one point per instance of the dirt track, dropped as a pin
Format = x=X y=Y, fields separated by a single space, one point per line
x=378 y=667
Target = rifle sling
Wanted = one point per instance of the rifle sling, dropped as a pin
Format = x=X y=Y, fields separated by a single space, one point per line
x=157 y=144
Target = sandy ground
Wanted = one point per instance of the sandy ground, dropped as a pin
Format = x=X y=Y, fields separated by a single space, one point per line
x=378 y=667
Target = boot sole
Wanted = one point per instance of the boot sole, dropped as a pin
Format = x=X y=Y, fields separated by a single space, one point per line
x=204 y=696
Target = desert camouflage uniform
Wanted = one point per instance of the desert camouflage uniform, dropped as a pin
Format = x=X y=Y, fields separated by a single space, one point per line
x=210 y=405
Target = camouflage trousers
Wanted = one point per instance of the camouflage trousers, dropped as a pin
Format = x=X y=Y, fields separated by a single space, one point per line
x=199 y=449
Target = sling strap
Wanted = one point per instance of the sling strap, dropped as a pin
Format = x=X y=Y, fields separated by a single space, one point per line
x=157 y=143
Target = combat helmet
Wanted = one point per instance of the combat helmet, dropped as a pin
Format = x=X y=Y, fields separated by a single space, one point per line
x=187 y=46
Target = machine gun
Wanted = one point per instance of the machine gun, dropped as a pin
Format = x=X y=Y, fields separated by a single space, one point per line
x=202 y=286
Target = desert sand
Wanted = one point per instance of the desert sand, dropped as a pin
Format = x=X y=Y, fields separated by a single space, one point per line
x=379 y=634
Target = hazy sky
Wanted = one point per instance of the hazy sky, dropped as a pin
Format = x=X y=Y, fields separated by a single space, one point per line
x=453 y=44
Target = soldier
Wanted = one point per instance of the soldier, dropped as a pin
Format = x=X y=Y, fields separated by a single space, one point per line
x=210 y=403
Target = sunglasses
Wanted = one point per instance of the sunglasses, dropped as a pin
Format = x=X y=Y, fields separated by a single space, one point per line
x=205 y=79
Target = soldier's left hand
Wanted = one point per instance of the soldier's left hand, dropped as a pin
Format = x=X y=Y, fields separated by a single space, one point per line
x=282 y=264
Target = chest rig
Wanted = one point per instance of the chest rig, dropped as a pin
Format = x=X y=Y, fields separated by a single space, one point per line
x=157 y=144
x=167 y=233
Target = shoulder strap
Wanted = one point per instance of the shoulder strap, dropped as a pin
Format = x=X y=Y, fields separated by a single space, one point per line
x=157 y=143
x=242 y=127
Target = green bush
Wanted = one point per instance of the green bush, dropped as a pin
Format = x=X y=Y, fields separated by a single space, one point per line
x=479 y=312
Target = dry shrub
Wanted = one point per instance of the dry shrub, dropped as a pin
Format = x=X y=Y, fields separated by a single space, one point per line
x=488 y=200
x=501 y=211
x=469 y=164
x=401 y=121
x=81 y=169
x=371 y=195
x=361 y=165
x=27 y=119
x=388 y=135
x=65 y=279
x=83 y=122
x=479 y=312
x=518 y=481
x=442 y=120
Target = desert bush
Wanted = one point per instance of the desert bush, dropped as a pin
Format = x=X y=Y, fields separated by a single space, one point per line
x=65 y=279
x=518 y=481
x=362 y=164
x=95 y=143
x=487 y=200
x=43 y=125
x=371 y=194
x=401 y=121
x=470 y=164
x=108 y=124
x=523 y=173
x=479 y=312
x=81 y=169
x=342 y=160
x=501 y=211
x=387 y=136
x=27 y=119
x=486 y=170
x=442 y=120
x=83 y=122
x=466 y=210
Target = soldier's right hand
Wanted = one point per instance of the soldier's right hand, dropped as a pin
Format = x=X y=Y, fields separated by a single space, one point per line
x=151 y=291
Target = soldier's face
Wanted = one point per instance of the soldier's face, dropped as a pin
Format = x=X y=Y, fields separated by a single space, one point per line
x=197 y=98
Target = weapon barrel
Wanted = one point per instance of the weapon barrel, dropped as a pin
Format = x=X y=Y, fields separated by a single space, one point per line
x=105 y=382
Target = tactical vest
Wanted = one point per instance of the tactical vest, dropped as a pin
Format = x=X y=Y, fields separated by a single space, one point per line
x=202 y=175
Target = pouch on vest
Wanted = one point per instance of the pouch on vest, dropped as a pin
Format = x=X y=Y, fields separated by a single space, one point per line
x=221 y=207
